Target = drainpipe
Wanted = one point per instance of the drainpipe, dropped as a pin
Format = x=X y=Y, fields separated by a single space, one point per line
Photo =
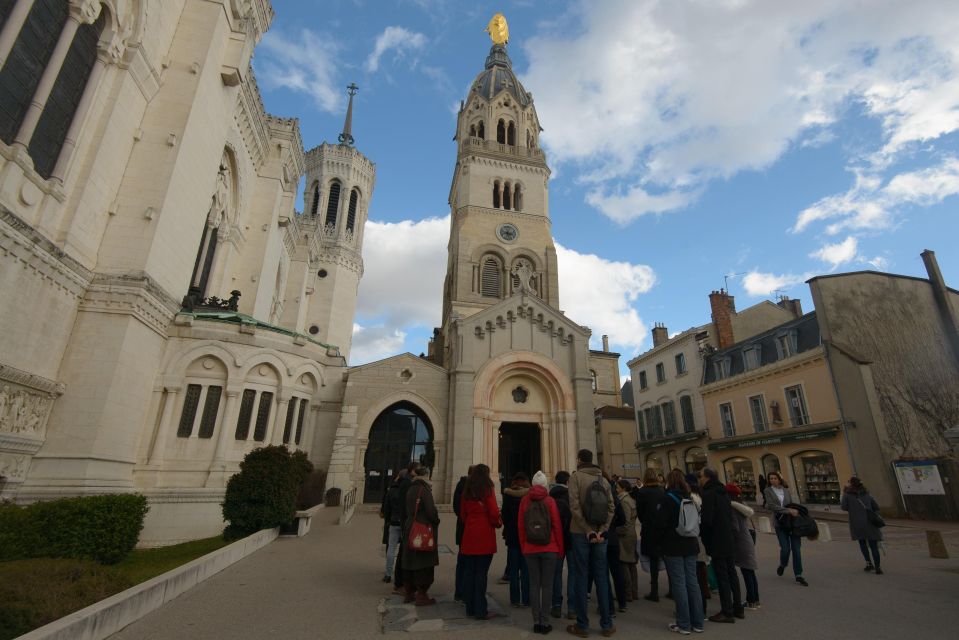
x=941 y=294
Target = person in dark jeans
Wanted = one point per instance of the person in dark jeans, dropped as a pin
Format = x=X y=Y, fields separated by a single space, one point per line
x=460 y=566
x=560 y=493
x=518 y=570
x=481 y=518
x=615 y=577
x=648 y=499
x=716 y=531
x=404 y=486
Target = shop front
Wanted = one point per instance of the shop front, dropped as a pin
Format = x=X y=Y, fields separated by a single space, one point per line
x=684 y=451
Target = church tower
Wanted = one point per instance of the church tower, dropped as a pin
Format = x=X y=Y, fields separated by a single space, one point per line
x=499 y=203
x=339 y=185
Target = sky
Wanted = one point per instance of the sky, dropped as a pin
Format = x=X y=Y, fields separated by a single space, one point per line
x=694 y=145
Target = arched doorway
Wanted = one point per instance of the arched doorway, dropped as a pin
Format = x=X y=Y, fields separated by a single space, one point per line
x=519 y=449
x=399 y=435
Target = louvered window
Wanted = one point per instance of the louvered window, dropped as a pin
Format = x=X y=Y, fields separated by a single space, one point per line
x=288 y=424
x=490 y=284
x=262 y=416
x=210 y=408
x=246 y=412
x=351 y=214
x=334 y=204
x=190 y=403
x=24 y=66
x=299 y=420
x=316 y=200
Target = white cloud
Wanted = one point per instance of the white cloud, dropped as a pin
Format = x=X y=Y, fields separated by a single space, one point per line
x=637 y=202
x=600 y=293
x=304 y=62
x=760 y=284
x=669 y=95
x=839 y=253
x=398 y=39
x=375 y=343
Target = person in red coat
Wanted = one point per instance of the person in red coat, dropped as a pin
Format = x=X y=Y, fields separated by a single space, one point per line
x=541 y=555
x=481 y=518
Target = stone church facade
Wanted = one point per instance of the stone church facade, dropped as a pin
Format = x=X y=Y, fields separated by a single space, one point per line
x=166 y=310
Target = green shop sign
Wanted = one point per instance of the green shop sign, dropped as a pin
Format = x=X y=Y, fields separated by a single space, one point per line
x=686 y=437
x=777 y=439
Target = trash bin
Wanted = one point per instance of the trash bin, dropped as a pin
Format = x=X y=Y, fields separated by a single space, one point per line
x=333 y=497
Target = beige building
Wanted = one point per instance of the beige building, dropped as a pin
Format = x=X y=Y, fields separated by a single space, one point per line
x=615 y=442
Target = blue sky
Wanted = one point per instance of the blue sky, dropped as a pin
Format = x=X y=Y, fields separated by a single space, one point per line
x=688 y=140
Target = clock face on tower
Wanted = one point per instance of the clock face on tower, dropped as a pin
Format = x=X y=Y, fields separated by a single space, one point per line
x=507 y=232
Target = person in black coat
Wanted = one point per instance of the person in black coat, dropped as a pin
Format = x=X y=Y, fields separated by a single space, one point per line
x=648 y=499
x=460 y=565
x=404 y=487
x=393 y=518
x=560 y=493
x=716 y=531
x=617 y=583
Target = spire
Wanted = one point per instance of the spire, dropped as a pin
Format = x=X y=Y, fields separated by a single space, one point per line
x=347 y=136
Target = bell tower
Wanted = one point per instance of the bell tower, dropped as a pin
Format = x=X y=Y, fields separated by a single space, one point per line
x=499 y=201
x=339 y=185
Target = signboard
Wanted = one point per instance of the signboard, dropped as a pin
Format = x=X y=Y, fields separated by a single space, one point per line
x=631 y=465
x=763 y=442
x=686 y=437
x=919 y=478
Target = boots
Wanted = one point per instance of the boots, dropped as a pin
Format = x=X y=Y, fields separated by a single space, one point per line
x=408 y=592
x=423 y=599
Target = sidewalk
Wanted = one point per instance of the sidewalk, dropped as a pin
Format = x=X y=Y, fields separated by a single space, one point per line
x=327 y=585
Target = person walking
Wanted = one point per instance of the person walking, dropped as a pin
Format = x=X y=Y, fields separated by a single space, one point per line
x=716 y=530
x=481 y=518
x=778 y=498
x=541 y=540
x=679 y=555
x=744 y=539
x=460 y=567
x=863 y=513
x=518 y=571
x=589 y=500
x=560 y=493
x=650 y=497
x=420 y=565
x=627 y=542
x=393 y=517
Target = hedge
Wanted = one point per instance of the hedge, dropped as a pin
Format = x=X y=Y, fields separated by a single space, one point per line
x=102 y=528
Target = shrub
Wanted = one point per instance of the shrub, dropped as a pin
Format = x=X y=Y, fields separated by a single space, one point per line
x=102 y=528
x=311 y=491
x=263 y=494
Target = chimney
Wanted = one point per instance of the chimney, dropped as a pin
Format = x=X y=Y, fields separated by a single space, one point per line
x=723 y=309
x=942 y=296
x=660 y=334
x=793 y=306
x=606 y=344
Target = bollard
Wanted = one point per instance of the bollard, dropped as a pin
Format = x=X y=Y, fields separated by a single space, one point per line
x=937 y=548
x=764 y=525
x=825 y=534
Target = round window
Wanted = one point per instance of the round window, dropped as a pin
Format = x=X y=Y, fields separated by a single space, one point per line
x=321 y=273
x=314 y=329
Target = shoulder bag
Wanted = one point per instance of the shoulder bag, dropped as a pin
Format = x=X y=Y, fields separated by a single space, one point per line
x=872 y=517
x=422 y=537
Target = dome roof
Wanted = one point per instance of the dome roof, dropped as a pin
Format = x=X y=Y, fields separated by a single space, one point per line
x=498 y=76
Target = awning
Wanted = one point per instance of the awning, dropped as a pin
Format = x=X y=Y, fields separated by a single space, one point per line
x=668 y=441
x=779 y=436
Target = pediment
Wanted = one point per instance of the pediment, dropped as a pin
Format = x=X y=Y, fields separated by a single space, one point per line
x=522 y=307
x=400 y=360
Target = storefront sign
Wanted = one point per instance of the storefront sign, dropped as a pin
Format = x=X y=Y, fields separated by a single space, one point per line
x=777 y=439
x=919 y=478
x=631 y=465
x=686 y=437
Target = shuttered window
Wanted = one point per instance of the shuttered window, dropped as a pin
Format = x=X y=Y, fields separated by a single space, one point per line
x=288 y=424
x=262 y=416
x=299 y=420
x=334 y=204
x=210 y=408
x=190 y=403
x=490 y=279
x=246 y=412
x=351 y=214
x=686 y=407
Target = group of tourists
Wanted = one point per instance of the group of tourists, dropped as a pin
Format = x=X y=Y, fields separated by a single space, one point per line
x=692 y=525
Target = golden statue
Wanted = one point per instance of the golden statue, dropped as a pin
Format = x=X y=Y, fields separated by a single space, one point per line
x=497 y=29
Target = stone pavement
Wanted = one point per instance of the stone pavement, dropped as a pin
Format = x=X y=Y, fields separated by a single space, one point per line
x=327 y=585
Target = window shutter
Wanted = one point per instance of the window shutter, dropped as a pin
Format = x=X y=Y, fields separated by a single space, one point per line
x=299 y=420
x=334 y=204
x=490 y=284
x=262 y=416
x=288 y=425
x=246 y=412
x=210 y=408
x=351 y=215
x=190 y=403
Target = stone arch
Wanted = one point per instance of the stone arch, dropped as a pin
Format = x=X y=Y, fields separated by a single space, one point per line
x=265 y=356
x=212 y=348
x=373 y=412
x=312 y=369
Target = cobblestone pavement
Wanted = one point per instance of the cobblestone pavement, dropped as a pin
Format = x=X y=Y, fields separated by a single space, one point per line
x=327 y=585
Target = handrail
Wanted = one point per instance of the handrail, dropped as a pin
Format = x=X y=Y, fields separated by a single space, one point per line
x=349 y=506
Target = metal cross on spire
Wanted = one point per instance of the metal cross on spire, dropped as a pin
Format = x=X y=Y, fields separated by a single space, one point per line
x=347 y=136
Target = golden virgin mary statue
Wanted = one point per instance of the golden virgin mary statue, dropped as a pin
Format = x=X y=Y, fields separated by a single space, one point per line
x=497 y=29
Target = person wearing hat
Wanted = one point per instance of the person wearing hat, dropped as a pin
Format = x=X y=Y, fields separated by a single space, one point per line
x=716 y=531
x=744 y=537
x=541 y=541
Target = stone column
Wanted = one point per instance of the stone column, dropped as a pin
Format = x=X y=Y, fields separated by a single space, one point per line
x=229 y=418
x=159 y=443
x=13 y=27
x=279 y=424
x=81 y=12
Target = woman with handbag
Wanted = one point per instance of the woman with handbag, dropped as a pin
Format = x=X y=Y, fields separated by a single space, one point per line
x=481 y=518
x=420 y=555
x=865 y=523
x=777 y=496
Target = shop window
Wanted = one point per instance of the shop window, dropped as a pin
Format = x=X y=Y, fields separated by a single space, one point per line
x=770 y=464
x=818 y=482
x=757 y=408
x=654 y=461
x=727 y=420
x=643 y=384
x=796 y=402
x=686 y=408
x=695 y=459
x=660 y=372
x=673 y=459
x=680 y=364
x=740 y=471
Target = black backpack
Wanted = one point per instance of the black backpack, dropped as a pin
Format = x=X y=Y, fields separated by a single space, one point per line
x=596 y=505
x=537 y=522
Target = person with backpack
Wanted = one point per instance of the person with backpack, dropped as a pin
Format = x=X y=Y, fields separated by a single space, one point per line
x=777 y=498
x=393 y=517
x=716 y=531
x=627 y=542
x=676 y=519
x=481 y=518
x=460 y=567
x=865 y=523
x=541 y=540
x=518 y=571
x=650 y=497
x=744 y=537
x=702 y=560
x=560 y=493
x=592 y=508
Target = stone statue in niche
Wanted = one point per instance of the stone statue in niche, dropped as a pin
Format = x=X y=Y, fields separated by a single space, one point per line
x=21 y=411
x=523 y=271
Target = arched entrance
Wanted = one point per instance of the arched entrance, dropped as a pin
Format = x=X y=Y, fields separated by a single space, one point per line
x=519 y=449
x=399 y=435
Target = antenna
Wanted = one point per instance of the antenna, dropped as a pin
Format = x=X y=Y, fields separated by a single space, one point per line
x=728 y=276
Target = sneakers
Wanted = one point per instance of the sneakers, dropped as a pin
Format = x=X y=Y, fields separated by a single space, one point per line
x=878 y=571
x=869 y=567
x=752 y=605
x=779 y=570
x=675 y=628
x=575 y=630
x=802 y=581
x=387 y=578
x=697 y=630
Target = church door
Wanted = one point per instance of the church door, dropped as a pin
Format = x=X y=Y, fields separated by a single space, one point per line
x=519 y=449
x=400 y=435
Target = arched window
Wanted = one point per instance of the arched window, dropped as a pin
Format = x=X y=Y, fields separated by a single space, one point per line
x=695 y=459
x=400 y=435
x=351 y=213
x=496 y=194
x=472 y=130
x=517 y=198
x=316 y=200
x=61 y=105
x=654 y=461
x=817 y=480
x=491 y=283
x=333 y=206
x=501 y=132
x=481 y=131
x=511 y=134
x=28 y=58
x=739 y=470
x=507 y=196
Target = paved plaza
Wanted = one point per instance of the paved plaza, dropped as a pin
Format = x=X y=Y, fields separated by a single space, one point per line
x=327 y=585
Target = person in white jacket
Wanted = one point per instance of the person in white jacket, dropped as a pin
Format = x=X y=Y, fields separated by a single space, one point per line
x=744 y=537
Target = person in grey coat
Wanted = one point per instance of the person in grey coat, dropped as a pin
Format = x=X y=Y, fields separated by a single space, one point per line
x=777 y=498
x=857 y=501
x=744 y=555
